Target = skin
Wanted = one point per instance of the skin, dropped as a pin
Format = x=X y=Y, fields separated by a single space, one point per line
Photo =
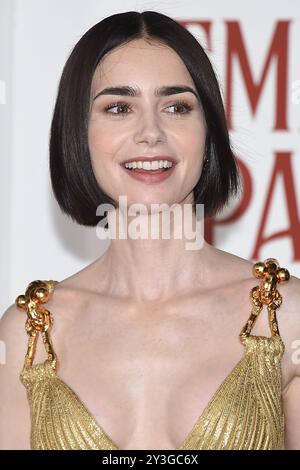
x=152 y=127
x=147 y=332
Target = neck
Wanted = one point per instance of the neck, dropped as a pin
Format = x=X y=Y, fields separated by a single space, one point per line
x=154 y=268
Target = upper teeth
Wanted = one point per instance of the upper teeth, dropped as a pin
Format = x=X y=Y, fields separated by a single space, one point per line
x=155 y=165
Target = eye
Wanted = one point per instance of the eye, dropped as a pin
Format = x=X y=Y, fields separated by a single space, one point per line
x=182 y=105
x=120 y=108
x=118 y=104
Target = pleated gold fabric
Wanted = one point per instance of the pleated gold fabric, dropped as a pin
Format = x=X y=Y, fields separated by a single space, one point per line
x=59 y=419
x=244 y=413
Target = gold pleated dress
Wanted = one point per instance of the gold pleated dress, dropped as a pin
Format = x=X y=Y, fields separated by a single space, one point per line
x=245 y=413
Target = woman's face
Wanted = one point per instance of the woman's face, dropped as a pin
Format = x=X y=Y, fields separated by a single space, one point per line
x=146 y=125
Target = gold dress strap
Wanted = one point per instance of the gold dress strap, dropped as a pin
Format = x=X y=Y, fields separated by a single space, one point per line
x=266 y=293
x=39 y=319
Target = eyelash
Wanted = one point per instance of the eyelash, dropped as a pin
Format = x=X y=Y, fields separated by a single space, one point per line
x=121 y=103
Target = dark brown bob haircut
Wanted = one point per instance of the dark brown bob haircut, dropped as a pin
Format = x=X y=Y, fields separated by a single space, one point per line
x=73 y=181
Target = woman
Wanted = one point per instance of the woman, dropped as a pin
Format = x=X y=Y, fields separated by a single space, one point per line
x=145 y=335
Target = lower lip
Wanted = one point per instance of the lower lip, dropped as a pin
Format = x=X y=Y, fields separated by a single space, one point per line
x=149 y=177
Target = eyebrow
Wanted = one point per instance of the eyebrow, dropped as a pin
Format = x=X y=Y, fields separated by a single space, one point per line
x=136 y=92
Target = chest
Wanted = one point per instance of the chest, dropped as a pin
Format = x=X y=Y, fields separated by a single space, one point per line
x=147 y=373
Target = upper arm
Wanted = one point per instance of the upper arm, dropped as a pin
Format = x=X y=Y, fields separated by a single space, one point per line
x=14 y=407
x=291 y=408
x=291 y=395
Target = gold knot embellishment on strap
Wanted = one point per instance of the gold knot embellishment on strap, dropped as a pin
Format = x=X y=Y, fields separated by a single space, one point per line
x=266 y=293
x=39 y=319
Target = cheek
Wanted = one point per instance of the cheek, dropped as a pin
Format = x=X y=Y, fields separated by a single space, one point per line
x=192 y=143
x=104 y=141
x=97 y=140
x=104 y=150
x=101 y=148
x=193 y=152
x=98 y=143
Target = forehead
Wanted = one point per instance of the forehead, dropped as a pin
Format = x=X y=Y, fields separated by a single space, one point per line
x=139 y=60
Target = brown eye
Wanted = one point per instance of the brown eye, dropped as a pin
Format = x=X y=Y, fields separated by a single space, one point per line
x=183 y=106
x=119 y=105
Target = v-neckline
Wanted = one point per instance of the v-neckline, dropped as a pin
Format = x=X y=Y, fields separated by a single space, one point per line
x=109 y=438
x=102 y=431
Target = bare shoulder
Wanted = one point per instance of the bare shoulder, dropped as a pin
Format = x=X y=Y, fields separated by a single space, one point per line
x=242 y=268
x=291 y=296
x=289 y=312
x=290 y=332
x=232 y=268
x=289 y=321
x=13 y=337
x=14 y=409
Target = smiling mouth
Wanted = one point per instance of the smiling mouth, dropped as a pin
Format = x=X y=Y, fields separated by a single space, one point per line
x=151 y=172
x=148 y=175
x=150 y=166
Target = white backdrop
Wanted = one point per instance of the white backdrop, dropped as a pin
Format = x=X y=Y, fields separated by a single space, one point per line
x=36 y=36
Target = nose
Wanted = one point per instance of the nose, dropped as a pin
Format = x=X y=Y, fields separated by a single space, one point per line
x=149 y=129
